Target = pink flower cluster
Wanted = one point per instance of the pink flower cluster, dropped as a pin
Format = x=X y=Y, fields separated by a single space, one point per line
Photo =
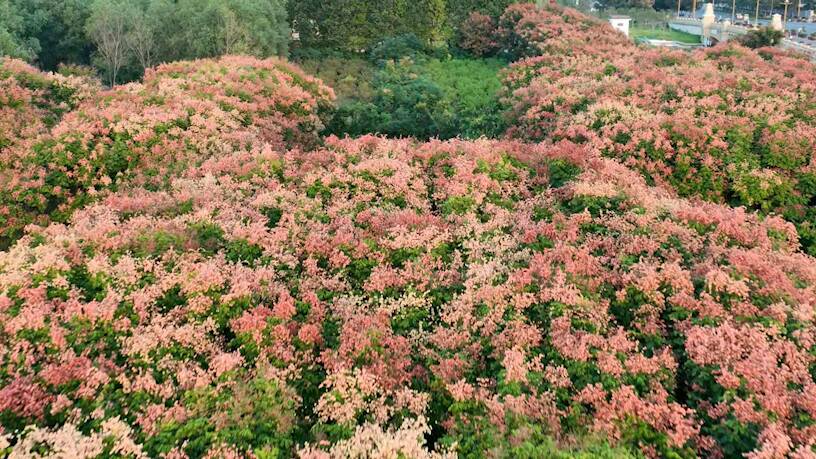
x=226 y=287
x=369 y=280
x=142 y=134
x=726 y=124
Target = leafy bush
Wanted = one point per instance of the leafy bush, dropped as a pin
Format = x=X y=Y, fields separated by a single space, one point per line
x=471 y=88
x=761 y=38
x=398 y=47
x=145 y=134
x=349 y=77
x=405 y=104
x=706 y=124
x=435 y=98
x=477 y=35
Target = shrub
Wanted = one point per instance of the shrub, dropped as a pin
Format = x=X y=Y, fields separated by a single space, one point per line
x=398 y=47
x=477 y=35
x=350 y=78
x=761 y=38
x=406 y=103
x=435 y=98
x=146 y=133
x=460 y=297
x=471 y=88
x=707 y=124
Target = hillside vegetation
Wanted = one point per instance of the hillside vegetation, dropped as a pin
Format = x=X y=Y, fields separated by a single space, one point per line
x=192 y=268
x=726 y=124
x=142 y=133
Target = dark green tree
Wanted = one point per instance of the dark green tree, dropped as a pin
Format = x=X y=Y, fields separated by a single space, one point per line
x=406 y=104
x=55 y=30
x=12 y=34
x=356 y=26
x=205 y=28
x=761 y=38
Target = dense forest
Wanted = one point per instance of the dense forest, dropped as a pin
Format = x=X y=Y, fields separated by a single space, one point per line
x=121 y=38
x=147 y=32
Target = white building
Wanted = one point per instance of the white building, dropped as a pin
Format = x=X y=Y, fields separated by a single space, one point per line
x=620 y=23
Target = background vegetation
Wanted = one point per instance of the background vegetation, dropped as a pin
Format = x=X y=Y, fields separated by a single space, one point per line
x=398 y=68
x=663 y=33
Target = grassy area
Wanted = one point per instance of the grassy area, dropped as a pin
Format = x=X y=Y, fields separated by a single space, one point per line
x=663 y=34
x=423 y=97
x=470 y=88
x=471 y=84
x=468 y=82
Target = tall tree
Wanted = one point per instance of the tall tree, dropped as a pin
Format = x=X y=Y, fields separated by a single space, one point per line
x=233 y=38
x=12 y=41
x=109 y=26
x=206 y=28
x=307 y=18
x=265 y=24
x=141 y=39
x=358 y=25
x=55 y=30
x=428 y=19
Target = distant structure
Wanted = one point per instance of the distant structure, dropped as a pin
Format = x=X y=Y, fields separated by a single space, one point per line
x=776 y=22
x=708 y=20
x=620 y=23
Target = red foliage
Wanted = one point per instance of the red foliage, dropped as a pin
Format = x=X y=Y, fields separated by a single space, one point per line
x=145 y=133
x=717 y=123
x=477 y=34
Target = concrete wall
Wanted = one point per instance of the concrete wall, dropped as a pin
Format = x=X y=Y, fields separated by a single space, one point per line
x=688 y=27
x=695 y=27
x=798 y=47
x=621 y=25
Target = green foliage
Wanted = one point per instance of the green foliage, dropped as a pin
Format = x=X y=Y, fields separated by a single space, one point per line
x=396 y=48
x=352 y=78
x=356 y=26
x=206 y=28
x=458 y=205
x=255 y=414
x=273 y=215
x=427 y=19
x=471 y=88
x=663 y=33
x=12 y=33
x=476 y=436
x=107 y=27
x=412 y=103
x=761 y=38
x=54 y=32
x=562 y=171
x=425 y=97
x=241 y=251
x=405 y=104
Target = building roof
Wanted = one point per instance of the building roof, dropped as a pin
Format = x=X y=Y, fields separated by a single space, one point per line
x=618 y=16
